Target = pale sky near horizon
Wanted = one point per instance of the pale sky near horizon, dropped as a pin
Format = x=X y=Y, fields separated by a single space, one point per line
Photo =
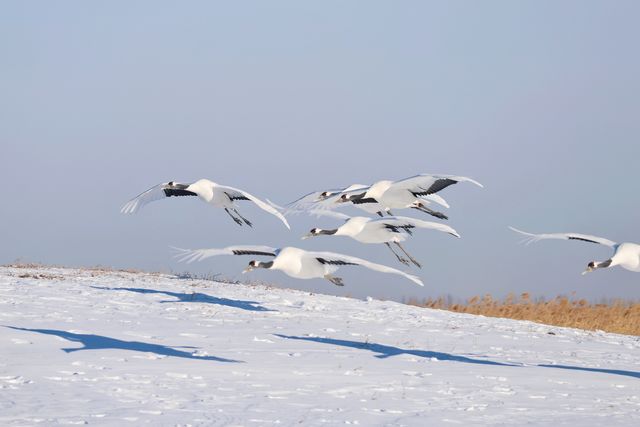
x=538 y=100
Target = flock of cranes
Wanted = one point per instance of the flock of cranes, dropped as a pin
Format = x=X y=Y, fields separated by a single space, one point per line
x=380 y=198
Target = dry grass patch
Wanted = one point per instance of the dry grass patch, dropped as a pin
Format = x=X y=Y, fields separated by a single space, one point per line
x=30 y=265
x=619 y=316
x=39 y=276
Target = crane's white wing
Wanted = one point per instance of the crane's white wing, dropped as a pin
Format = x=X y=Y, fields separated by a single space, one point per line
x=156 y=192
x=328 y=213
x=324 y=199
x=316 y=212
x=437 y=199
x=235 y=193
x=338 y=259
x=355 y=187
x=306 y=200
x=191 y=255
x=315 y=201
x=407 y=224
x=564 y=236
x=425 y=184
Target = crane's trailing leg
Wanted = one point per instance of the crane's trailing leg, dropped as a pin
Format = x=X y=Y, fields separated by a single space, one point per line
x=431 y=212
x=246 y=221
x=335 y=280
x=401 y=259
x=410 y=257
x=234 y=218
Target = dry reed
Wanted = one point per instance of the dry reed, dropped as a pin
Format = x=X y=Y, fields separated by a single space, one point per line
x=619 y=316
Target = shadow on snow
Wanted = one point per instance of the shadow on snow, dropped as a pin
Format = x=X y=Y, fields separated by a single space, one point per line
x=195 y=297
x=98 y=342
x=385 y=351
x=632 y=374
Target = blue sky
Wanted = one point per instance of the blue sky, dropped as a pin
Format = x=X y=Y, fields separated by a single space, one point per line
x=539 y=101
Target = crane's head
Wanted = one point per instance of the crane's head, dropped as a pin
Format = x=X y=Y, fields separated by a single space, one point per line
x=325 y=195
x=312 y=233
x=318 y=232
x=177 y=186
x=590 y=267
x=257 y=264
x=350 y=197
x=252 y=265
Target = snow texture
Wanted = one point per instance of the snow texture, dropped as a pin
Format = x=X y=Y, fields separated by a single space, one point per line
x=114 y=348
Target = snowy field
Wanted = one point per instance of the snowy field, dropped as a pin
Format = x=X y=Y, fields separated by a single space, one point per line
x=113 y=348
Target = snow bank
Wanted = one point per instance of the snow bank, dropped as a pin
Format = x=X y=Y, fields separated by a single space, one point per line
x=114 y=348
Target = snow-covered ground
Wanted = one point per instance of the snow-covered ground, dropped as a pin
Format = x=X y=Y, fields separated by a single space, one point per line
x=114 y=348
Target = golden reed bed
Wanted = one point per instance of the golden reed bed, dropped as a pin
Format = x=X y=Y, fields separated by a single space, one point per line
x=619 y=316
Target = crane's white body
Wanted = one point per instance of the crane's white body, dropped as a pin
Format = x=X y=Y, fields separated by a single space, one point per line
x=625 y=255
x=327 y=199
x=295 y=262
x=378 y=188
x=402 y=194
x=212 y=193
x=300 y=264
x=219 y=196
x=384 y=230
x=381 y=230
x=360 y=228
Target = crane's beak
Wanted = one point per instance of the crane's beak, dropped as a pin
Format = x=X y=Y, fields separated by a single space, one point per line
x=588 y=270
x=590 y=267
x=308 y=235
x=247 y=270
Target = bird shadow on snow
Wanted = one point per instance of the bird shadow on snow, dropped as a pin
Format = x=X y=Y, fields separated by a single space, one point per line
x=385 y=351
x=632 y=374
x=195 y=297
x=99 y=342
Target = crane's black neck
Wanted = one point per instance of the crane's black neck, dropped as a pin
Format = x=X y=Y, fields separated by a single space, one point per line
x=327 y=232
x=267 y=264
x=176 y=192
x=359 y=199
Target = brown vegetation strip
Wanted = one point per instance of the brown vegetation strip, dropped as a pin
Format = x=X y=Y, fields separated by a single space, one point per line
x=619 y=316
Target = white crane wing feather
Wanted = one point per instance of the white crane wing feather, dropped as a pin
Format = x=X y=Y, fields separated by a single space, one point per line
x=304 y=201
x=564 y=236
x=328 y=213
x=191 y=255
x=154 y=193
x=313 y=200
x=436 y=198
x=426 y=181
x=331 y=256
